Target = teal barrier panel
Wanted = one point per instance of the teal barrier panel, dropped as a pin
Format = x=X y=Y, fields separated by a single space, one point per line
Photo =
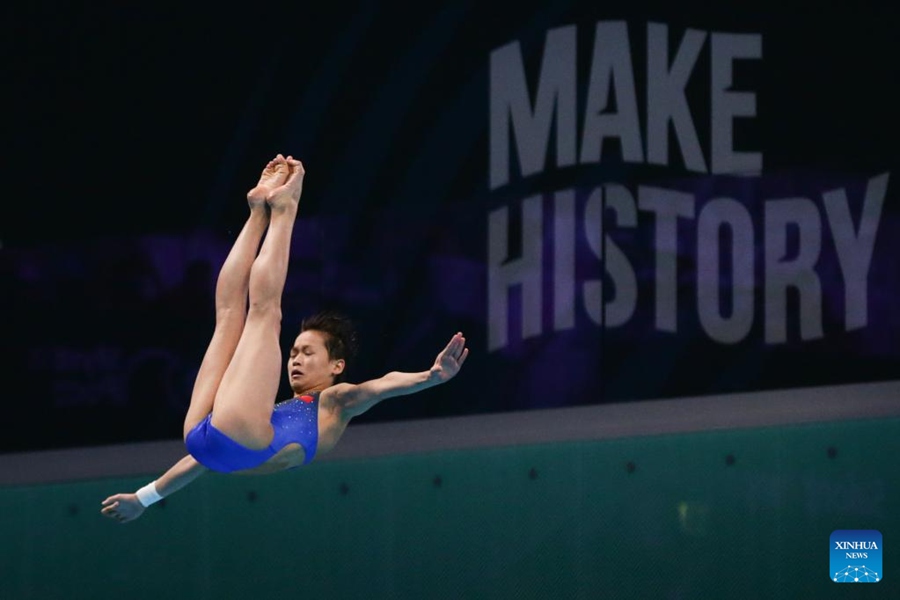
x=722 y=514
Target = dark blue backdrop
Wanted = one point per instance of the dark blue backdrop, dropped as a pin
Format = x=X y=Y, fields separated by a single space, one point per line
x=134 y=134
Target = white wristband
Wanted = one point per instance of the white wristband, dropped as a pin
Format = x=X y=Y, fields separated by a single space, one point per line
x=148 y=495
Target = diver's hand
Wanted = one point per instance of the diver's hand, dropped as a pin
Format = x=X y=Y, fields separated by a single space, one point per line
x=449 y=360
x=122 y=507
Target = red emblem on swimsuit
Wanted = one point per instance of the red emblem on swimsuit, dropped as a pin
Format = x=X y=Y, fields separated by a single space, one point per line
x=307 y=398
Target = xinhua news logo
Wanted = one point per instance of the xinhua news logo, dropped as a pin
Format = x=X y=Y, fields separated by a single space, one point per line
x=856 y=556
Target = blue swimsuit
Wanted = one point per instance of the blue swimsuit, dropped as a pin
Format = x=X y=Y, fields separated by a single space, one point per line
x=294 y=421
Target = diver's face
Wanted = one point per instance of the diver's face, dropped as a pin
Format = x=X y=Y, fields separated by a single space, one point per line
x=309 y=367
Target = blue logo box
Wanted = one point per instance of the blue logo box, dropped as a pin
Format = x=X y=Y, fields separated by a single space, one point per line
x=856 y=556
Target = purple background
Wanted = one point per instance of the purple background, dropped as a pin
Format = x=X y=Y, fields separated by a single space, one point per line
x=135 y=133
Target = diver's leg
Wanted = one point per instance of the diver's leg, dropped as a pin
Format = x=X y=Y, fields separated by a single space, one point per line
x=231 y=296
x=245 y=399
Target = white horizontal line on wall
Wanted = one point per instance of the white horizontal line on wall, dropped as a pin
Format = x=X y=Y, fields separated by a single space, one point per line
x=608 y=421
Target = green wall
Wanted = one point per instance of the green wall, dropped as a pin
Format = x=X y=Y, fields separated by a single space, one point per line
x=567 y=520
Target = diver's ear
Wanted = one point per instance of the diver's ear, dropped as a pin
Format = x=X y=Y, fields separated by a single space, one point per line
x=338 y=367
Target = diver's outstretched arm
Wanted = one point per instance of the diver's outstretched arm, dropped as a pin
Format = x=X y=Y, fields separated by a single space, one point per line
x=353 y=400
x=128 y=507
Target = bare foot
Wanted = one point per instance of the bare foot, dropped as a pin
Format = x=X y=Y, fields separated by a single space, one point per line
x=273 y=176
x=287 y=195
